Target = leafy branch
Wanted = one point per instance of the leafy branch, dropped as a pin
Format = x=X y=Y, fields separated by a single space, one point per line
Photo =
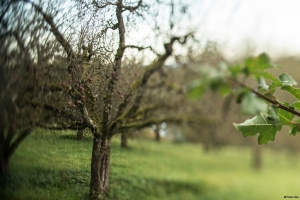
x=270 y=113
x=274 y=102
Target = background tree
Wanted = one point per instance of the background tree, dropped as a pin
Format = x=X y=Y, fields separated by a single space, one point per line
x=25 y=51
x=91 y=58
x=79 y=56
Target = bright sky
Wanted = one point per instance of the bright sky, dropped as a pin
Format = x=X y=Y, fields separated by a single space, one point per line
x=273 y=25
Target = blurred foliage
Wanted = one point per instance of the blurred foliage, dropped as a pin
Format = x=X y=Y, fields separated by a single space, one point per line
x=271 y=113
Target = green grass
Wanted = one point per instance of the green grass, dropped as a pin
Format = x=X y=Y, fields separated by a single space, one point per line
x=48 y=166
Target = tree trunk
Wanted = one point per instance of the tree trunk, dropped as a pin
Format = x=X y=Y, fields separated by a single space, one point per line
x=4 y=162
x=124 y=140
x=206 y=146
x=207 y=140
x=100 y=168
x=7 y=147
x=257 y=157
x=157 y=135
x=79 y=135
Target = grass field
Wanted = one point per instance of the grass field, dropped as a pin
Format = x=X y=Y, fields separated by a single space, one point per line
x=56 y=166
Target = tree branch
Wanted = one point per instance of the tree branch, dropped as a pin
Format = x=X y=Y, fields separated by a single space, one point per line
x=140 y=84
x=132 y=8
x=138 y=47
x=76 y=126
x=93 y=126
x=63 y=113
x=19 y=139
x=54 y=29
x=141 y=48
x=272 y=101
x=116 y=69
x=95 y=3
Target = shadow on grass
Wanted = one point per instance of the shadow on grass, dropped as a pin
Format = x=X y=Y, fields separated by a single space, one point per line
x=86 y=138
x=77 y=181
x=136 y=187
x=69 y=137
x=41 y=179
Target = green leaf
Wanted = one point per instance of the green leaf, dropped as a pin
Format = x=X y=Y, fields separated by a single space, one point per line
x=259 y=63
x=264 y=59
x=294 y=91
x=256 y=67
x=240 y=96
x=215 y=83
x=295 y=129
x=253 y=105
x=296 y=105
x=262 y=86
x=273 y=117
x=218 y=85
x=273 y=86
x=266 y=75
x=196 y=90
x=212 y=78
x=285 y=116
x=259 y=124
x=235 y=70
x=225 y=89
x=287 y=80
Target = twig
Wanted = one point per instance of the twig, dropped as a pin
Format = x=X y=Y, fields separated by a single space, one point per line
x=272 y=101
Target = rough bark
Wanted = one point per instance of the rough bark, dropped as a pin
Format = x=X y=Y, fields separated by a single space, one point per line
x=100 y=167
x=79 y=135
x=124 y=140
x=4 y=162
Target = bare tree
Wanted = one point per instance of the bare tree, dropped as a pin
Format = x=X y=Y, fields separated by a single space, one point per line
x=24 y=51
x=81 y=55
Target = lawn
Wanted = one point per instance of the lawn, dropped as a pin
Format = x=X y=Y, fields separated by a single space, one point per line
x=56 y=166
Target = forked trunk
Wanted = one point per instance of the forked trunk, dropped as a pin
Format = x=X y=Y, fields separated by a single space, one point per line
x=100 y=168
x=7 y=147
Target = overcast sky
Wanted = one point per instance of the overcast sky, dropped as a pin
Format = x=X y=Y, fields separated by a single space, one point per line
x=273 y=25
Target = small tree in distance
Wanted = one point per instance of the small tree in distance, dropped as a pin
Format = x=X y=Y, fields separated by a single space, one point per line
x=270 y=113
